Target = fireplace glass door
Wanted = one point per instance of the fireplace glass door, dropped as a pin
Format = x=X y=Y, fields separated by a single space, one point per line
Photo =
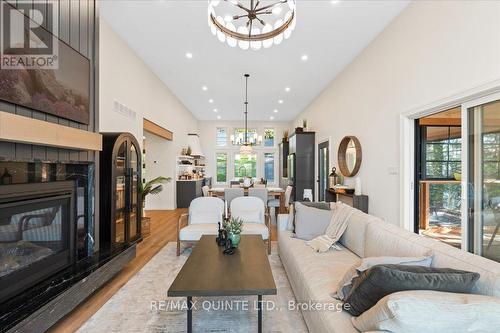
x=36 y=240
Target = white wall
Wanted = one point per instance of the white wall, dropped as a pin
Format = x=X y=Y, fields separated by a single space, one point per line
x=432 y=50
x=124 y=77
x=207 y=132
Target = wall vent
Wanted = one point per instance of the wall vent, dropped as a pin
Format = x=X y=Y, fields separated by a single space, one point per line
x=124 y=110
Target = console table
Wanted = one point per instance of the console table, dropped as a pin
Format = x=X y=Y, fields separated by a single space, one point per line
x=357 y=201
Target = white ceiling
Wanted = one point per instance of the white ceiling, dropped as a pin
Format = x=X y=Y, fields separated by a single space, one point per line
x=332 y=35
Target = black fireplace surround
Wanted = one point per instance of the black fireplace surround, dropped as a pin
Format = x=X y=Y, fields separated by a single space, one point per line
x=46 y=228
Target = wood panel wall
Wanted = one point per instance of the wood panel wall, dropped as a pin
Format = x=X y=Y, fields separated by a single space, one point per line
x=77 y=28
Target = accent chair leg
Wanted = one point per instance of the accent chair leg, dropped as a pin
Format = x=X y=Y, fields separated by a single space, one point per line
x=269 y=245
x=178 y=247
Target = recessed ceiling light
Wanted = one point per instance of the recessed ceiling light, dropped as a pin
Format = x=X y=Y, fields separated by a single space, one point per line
x=287 y=89
x=189 y=55
x=277 y=10
x=210 y=100
x=304 y=57
x=272 y=118
x=215 y=110
x=228 y=18
x=334 y=2
x=204 y=88
x=219 y=117
x=280 y=101
x=275 y=110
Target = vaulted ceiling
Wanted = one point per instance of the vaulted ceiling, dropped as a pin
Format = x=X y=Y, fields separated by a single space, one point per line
x=330 y=33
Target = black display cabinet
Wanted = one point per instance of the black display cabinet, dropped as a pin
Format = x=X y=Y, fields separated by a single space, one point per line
x=301 y=158
x=120 y=197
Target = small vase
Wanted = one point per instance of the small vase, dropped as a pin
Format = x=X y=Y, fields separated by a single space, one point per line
x=235 y=239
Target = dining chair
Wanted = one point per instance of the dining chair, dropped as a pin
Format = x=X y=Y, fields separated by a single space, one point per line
x=232 y=193
x=204 y=215
x=255 y=220
x=261 y=193
x=275 y=203
x=204 y=190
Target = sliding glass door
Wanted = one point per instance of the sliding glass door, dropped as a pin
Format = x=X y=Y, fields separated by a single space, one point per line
x=483 y=177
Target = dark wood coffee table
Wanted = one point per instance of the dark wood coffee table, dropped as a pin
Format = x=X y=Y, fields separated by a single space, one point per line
x=208 y=272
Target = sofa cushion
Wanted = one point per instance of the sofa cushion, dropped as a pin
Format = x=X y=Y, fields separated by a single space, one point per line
x=447 y=256
x=381 y=280
x=345 y=284
x=388 y=240
x=255 y=229
x=313 y=276
x=311 y=222
x=411 y=311
x=355 y=234
x=193 y=232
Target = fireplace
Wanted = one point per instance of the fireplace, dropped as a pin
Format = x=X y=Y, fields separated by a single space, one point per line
x=37 y=233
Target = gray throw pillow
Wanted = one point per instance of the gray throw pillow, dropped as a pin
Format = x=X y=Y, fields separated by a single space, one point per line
x=311 y=222
x=381 y=280
x=319 y=205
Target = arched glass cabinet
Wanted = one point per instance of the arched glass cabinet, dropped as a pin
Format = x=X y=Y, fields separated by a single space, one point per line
x=119 y=193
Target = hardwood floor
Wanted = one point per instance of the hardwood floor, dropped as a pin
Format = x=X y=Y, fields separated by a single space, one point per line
x=163 y=230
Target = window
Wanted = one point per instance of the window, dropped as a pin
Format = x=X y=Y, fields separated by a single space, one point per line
x=221 y=168
x=491 y=156
x=221 y=139
x=269 y=167
x=240 y=133
x=269 y=137
x=442 y=152
x=245 y=165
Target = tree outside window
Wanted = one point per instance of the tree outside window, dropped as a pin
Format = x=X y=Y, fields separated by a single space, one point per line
x=245 y=165
x=221 y=168
x=269 y=137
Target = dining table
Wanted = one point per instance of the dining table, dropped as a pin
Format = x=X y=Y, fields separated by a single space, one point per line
x=276 y=192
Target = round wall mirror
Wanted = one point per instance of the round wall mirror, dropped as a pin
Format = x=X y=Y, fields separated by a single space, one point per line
x=349 y=156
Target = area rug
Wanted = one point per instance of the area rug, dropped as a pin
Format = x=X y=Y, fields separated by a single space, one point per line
x=142 y=304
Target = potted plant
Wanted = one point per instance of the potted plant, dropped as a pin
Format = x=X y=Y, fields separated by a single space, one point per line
x=154 y=187
x=285 y=136
x=233 y=227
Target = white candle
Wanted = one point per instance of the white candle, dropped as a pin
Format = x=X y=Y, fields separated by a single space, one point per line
x=357 y=186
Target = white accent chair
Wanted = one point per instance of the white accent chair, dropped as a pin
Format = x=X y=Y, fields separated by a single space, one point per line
x=204 y=214
x=255 y=220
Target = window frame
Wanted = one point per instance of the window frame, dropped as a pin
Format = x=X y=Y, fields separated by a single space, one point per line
x=275 y=144
x=264 y=166
x=257 y=159
x=228 y=176
x=448 y=162
x=249 y=131
x=226 y=143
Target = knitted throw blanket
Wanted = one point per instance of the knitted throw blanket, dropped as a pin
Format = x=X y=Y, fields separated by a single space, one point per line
x=335 y=230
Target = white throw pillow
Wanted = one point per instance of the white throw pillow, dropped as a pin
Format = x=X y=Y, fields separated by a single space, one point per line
x=417 y=311
x=346 y=282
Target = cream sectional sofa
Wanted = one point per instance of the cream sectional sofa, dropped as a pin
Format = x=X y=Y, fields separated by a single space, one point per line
x=314 y=276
